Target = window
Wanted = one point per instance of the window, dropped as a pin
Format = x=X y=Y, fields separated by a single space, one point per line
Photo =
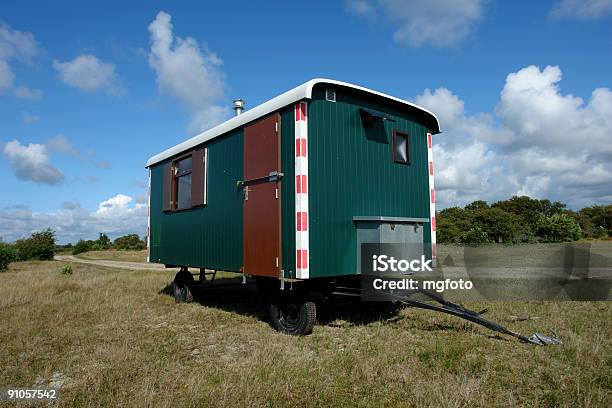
x=185 y=181
x=330 y=95
x=182 y=174
x=401 y=147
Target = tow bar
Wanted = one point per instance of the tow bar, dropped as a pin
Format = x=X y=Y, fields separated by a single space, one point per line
x=475 y=317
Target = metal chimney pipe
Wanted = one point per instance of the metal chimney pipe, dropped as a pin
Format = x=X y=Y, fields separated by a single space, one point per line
x=238 y=106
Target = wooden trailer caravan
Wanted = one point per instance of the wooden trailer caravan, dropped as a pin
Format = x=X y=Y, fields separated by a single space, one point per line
x=286 y=191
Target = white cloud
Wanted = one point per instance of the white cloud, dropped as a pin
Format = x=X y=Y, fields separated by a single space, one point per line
x=440 y=23
x=88 y=74
x=6 y=76
x=533 y=108
x=116 y=216
x=28 y=118
x=538 y=141
x=61 y=144
x=360 y=7
x=581 y=9
x=31 y=163
x=23 y=92
x=20 y=46
x=188 y=73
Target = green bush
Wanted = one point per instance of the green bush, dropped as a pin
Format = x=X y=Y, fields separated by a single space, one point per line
x=40 y=246
x=66 y=270
x=558 y=228
x=7 y=255
x=81 y=246
x=103 y=241
x=475 y=235
x=131 y=241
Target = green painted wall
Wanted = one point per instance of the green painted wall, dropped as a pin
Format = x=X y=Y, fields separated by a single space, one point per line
x=351 y=175
x=208 y=236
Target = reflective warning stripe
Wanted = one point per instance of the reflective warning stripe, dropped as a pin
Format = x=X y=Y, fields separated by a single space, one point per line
x=149 y=219
x=301 y=191
x=432 y=196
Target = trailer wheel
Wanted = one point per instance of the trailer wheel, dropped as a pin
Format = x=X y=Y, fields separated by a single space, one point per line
x=293 y=316
x=181 y=287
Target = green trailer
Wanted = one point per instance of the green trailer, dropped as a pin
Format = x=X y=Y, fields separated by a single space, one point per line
x=289 y=190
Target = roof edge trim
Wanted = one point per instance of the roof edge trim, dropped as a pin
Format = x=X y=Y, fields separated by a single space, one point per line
x=296 y=94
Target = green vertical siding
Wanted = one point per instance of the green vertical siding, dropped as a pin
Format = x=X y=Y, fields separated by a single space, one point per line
x=351 y=175
x=208 y=236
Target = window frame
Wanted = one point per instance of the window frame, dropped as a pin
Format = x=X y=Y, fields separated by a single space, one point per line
x=175 y=180
x=395 y=158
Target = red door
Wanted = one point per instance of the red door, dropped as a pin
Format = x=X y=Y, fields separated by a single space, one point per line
x=262 y=227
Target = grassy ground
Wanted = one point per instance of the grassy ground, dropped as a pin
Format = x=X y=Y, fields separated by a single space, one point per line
x=113 y=337
x=116 y=255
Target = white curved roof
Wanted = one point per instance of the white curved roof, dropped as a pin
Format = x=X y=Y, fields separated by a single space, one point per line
x=298 y=93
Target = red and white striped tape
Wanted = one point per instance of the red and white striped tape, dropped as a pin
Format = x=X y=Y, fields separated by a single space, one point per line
x=301 y=191
x=432 y=196
x=149 y=219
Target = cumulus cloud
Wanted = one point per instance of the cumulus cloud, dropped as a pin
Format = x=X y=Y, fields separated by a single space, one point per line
x=440 y=23
x=189 y=73
x=16 y=46
x=31 y=163
x=88 y=74
x=115 y=216
x=538 y=141
x=581 y=9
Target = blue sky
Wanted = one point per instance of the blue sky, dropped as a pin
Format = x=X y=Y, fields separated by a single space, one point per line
x=89 y=91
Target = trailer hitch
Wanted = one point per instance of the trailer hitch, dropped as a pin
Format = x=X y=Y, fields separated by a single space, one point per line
x=475 y=317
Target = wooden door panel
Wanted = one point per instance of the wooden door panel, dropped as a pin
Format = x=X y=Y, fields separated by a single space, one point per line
x=262 y=241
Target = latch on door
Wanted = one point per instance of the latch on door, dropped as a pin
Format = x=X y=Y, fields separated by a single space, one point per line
x=272 y=176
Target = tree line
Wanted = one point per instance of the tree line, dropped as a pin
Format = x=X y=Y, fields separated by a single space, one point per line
x=41 y=246
x=521 y=219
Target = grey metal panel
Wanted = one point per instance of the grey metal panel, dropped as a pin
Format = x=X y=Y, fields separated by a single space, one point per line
x=372 y=230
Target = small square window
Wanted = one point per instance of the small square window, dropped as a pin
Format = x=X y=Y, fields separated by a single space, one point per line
x=183 y=166
x=401 y=147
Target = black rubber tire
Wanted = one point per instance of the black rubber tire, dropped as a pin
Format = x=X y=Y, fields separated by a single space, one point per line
x=181 y=287
x=293 y=317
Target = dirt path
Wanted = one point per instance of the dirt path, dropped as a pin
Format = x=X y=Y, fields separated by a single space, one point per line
x=134 y=266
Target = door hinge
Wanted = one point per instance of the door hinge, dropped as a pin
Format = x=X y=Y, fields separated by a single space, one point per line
x=277 y=261
x=276 y=127
x=276 y=192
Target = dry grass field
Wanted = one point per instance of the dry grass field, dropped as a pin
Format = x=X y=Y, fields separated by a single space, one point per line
x=110 y=337
x=115 y=255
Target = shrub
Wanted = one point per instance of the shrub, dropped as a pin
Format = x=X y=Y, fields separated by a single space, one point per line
x=499 y=225
x=81 y=246
x=103 y=241
x=131 y=241
x=7 y=255
x=66 y=269
x=40 y=246
x=475 y=235
x=558 y=228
